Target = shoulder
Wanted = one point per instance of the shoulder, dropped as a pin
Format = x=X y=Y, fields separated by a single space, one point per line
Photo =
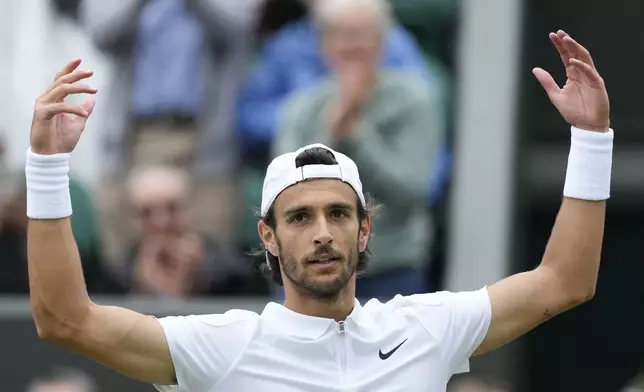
x=232 y=323
x=435 y=311
x=205 y=347
x=293 y=34
x=231 y=317
x=399 y=33
x=438 y=300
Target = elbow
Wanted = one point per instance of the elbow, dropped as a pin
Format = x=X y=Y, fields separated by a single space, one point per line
x=585 y=295
x=55 y=329
x=577 y=297
x=47 y=333
x=52 y=330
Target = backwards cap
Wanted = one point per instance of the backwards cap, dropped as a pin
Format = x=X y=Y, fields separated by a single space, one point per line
x=282 y=173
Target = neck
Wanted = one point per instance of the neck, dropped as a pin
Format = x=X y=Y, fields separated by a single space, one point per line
x=337 y=308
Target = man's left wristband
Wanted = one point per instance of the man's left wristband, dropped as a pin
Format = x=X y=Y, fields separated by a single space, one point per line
x=47 y=178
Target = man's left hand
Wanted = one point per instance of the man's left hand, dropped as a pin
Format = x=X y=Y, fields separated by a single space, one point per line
x=583 y=101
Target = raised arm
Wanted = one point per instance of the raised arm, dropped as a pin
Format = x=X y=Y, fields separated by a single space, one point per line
x=130 y=343
x=567 y=275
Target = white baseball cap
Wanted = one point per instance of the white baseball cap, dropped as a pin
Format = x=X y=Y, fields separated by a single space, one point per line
x=282 y=173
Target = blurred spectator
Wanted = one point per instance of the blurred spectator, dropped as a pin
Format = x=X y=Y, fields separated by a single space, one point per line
x=178 y=65
x=13 y=243
x=170 y=258
x=389 y=122
x=7 y=184
x=290 y=60
x=470 y=383
x=63 y=380
x=68 y=8
x=13 y=230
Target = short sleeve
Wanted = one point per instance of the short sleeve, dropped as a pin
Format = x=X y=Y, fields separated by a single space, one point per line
x=459 y=321
x=204 y=347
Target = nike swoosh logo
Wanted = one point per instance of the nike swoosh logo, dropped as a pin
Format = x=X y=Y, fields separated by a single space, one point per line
x=384 y=356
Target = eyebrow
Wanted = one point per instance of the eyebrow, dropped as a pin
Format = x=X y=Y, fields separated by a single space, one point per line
x=341 y=206
x=334 y=206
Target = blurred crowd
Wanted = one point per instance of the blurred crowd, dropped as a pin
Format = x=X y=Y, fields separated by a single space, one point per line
x=206 y=92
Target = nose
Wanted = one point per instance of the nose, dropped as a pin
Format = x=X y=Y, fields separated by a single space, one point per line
x=323 y=235
x=160 y=219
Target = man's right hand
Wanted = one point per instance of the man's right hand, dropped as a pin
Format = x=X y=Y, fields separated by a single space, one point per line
x=128 y=342
x=56 y=125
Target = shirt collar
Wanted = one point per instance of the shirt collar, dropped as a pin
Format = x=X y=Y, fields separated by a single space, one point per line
x=300 y=325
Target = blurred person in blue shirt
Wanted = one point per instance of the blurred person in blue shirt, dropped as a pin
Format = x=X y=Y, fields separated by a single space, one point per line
x=290 y=60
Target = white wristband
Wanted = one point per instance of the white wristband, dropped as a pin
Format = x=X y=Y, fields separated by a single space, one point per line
x=589 y=165
x=48 y=186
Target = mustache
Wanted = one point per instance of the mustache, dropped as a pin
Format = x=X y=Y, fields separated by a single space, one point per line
x=325 y=251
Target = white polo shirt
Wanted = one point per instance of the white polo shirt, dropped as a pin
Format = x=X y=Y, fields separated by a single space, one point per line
x=413 y=343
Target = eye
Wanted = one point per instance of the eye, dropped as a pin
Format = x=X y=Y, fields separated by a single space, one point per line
x=297 y=218
x=338 y=214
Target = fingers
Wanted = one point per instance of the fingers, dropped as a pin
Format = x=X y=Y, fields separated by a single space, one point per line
x=51 y=110
x=69 y=78
x=574 y=49
x=62 y=91
x=547 y=82
x=588 y=71
x=70 y=67
x=563 y=52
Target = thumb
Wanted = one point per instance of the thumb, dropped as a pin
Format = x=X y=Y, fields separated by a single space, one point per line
x=547 y=82
x=88 y=105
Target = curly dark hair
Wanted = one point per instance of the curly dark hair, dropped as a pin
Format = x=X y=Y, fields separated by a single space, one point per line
x=267 y=264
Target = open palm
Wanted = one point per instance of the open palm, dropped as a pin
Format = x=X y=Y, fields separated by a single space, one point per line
x=583 y=101
x=57 y=126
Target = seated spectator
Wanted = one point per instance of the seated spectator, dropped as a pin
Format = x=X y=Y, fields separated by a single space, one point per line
x=290 y=60
x=13 y=239
x=178 y=65
x=170 y=257
x=389 y=122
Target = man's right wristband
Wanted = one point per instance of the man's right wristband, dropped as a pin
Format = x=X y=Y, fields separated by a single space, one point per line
x=47 y=178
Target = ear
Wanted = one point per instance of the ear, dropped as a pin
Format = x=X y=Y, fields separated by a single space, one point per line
x=363 y=235
x=269 y=239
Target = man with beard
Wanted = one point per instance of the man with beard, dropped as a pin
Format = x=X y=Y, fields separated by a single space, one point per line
x=315 y=228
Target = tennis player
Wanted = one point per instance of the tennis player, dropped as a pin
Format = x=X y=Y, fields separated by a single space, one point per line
x=315 y=230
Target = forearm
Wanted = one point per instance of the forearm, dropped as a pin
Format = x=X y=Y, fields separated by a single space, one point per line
x=574 y=249
x=58 y=294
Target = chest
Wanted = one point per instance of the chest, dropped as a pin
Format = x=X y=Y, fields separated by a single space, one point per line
x=353 y=360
